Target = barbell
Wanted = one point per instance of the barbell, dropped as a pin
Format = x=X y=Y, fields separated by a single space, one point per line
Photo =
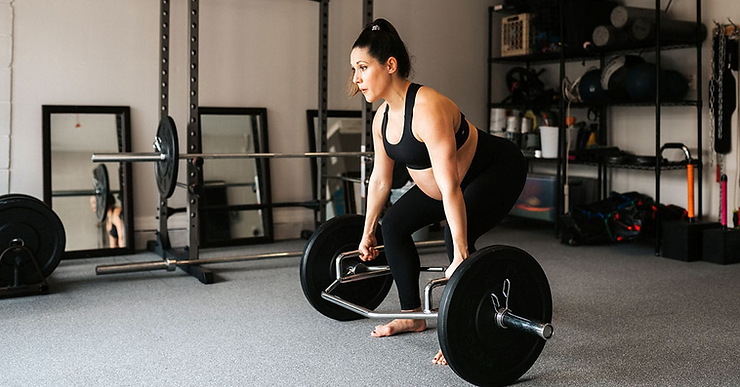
x=166 y=156
x=492 y=320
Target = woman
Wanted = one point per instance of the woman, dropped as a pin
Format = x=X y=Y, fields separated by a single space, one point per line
x=114 y=224
x=462 y=174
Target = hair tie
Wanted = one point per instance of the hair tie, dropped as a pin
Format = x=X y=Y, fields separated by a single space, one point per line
x=376 y=28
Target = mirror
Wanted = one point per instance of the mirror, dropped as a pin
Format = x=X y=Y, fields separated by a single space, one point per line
x=236 y=192
x=71 y=134
x=344 y=131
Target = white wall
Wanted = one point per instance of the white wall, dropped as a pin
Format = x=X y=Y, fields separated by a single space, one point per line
x=257 y=53
x=263 y=53
x=6 y=59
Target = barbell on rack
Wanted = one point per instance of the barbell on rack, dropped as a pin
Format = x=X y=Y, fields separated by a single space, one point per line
x=166 y=156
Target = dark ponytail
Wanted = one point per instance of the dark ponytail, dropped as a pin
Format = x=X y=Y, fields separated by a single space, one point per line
x=382 y=41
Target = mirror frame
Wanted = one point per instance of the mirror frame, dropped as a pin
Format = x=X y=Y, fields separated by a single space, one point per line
x=263 y=173
x=123 y=119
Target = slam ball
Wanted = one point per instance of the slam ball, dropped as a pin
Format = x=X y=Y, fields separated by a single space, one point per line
x=640 y=83
x=589 y=88
x=674 y=85
x=614 y=75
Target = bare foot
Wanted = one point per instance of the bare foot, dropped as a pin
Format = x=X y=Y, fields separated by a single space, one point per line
x=399 y=326
x=439 y=358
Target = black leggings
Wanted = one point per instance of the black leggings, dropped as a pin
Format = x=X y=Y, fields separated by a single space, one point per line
x=491 y=187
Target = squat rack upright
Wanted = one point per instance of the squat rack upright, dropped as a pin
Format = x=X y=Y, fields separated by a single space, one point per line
x=162 y=245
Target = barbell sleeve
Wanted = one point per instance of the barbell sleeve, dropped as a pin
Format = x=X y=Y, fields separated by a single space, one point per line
x=506 y=319
x=127 y=157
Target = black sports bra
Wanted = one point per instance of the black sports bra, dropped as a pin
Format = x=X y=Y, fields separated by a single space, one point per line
x=409 y=150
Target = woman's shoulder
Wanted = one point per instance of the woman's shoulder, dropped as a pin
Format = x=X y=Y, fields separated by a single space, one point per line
x=378 y=117
x=430 y=100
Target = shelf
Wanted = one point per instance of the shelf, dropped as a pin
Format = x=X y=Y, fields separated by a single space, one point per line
x=582 y=55
x=574 y=55
x=665 y=166
x=580 y=105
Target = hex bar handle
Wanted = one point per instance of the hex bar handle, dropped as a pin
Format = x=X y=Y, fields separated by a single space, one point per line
x=356 y=253
x=365 y=312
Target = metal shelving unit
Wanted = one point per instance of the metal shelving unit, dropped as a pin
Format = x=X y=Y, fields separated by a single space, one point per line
x=564 y=57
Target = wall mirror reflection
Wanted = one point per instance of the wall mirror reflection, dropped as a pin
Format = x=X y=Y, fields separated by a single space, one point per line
x=344 y=130
x=94 y=201
x=235 y=191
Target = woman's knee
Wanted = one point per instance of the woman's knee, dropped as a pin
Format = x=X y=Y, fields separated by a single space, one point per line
x=394 y=226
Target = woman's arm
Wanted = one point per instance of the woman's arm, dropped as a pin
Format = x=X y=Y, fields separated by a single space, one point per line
x=378 y=189
x=434 y=124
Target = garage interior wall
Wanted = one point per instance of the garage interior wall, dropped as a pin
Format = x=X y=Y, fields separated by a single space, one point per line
x=263 y=53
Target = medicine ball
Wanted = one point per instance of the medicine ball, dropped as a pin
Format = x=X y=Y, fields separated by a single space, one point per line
x=589 y=87
x=640 y=83
x=614 y=75
x=674 y=85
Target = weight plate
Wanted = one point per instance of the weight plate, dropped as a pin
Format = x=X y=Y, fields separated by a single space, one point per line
x=28 y=221
x=339 y=235
x=165 y=171
x=473 y=345
x=102 y=189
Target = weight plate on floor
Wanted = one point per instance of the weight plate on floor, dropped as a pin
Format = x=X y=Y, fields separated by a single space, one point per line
x=339 y=235
x=165 y=171
x=102 y=190
x=26 y=221
x=474 y=346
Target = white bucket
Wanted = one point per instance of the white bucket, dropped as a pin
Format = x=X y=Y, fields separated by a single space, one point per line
x=549 y=141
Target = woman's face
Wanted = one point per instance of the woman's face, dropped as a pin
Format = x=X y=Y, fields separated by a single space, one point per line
x=370 y=76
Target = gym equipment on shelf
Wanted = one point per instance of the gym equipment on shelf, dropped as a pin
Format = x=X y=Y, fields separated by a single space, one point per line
x=32 y=241
x=589 y=87
x=614 y=75
x=491 y=320
x=641 y=82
